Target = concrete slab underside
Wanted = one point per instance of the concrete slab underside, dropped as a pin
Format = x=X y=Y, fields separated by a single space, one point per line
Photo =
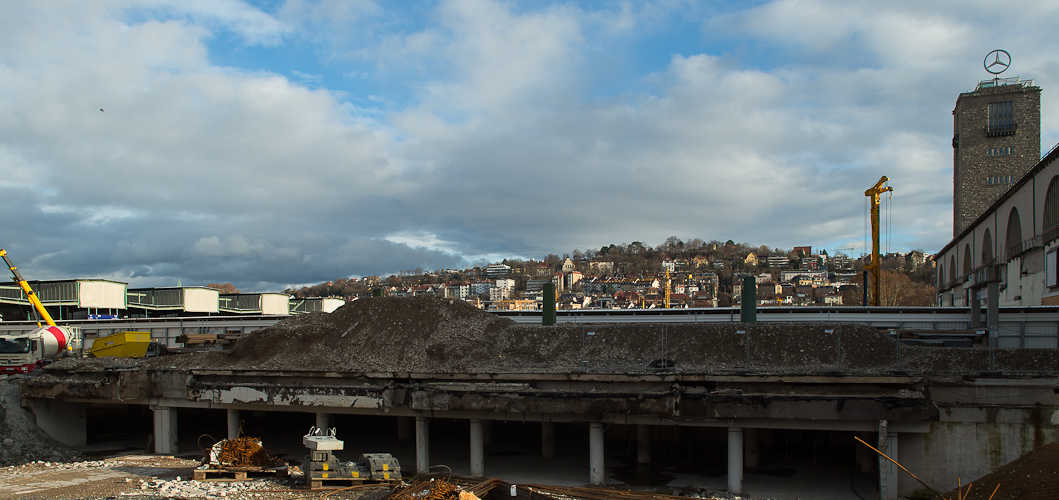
x=825 y=403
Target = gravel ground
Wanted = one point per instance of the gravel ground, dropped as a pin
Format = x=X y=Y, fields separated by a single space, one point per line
x=157 y=477
x=150 y=477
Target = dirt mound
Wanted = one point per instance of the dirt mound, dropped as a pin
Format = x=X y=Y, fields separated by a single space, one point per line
x=1033 y=476
x=379 y=334
x=21 y=441
x=427 y=334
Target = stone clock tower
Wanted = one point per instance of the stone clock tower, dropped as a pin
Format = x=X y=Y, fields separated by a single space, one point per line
x=996 y=140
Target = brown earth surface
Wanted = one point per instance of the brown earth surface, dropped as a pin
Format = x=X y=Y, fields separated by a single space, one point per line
x=1033 y=476
x=433 y=335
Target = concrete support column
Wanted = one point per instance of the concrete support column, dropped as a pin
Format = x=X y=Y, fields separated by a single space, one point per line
x=643 y=444
x=735 y=460
x=887 y=469
x=976 y=308
x=64 y=422
x=323 y=422
x=405 y=428
x=477 y=449
x=992 y=311
x=547 y=440
x=165 y=430
x=596 y=470
x=751 y=447
x=233 y=424
x=422 y=444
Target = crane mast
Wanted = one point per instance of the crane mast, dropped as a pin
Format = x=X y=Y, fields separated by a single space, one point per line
x=30 y=295
x=876 y=263
x=669 y=286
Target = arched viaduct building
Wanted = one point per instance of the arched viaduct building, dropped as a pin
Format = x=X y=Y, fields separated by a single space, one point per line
x=1008 y=254
x=1005 y=204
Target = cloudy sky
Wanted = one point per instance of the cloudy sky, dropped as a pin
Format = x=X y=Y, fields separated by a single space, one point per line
x=278 y=143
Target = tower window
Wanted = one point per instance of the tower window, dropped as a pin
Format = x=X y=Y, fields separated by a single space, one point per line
x=1000 y=151
x=1000 y=179
x=1001 y=118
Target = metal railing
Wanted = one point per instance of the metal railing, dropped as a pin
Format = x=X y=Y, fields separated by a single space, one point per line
x=814 y=349
x=996 y=82
x=1024 y=247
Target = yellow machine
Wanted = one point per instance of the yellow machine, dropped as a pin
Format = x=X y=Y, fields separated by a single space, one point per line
x=122 y=345
x=876 y=262
x=25 y=352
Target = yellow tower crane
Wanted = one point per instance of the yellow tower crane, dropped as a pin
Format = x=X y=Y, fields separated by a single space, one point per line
x=876 y=262
x=669 y=286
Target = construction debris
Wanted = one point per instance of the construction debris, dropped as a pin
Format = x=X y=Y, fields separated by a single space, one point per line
x=239 y=459
x=242 y=452
x=21 y=441
x=463 y=488
x=190 y=340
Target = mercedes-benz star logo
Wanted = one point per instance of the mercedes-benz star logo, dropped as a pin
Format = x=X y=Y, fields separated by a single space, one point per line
x=997 y=61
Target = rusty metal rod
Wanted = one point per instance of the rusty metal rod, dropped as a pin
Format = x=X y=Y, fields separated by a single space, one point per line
x=901 y=466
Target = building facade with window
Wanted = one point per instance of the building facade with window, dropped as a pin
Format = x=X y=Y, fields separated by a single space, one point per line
x=1012 y=249
x=996 y=140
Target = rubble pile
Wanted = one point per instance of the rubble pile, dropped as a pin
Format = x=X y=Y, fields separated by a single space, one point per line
x=1033 y=476
x=180 y=488
x=21 y=441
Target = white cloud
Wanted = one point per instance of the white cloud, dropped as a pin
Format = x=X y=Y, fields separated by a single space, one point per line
x=486 y=133
x=253 y=25
x=428 y=241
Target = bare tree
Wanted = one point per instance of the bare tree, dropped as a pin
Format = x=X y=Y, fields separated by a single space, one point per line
x=225 y=288
x=897 y=289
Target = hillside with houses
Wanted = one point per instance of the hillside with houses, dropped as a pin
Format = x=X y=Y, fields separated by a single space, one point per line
x=675 y=274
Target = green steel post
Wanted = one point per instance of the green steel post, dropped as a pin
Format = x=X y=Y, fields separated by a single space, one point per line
x=548 y=316
x=748 y=308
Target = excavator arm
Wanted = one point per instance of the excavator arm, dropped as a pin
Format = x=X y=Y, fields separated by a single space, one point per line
x=27 y=290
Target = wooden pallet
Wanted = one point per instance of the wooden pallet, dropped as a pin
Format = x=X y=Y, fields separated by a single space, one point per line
x=237 y=473
x=319 y=483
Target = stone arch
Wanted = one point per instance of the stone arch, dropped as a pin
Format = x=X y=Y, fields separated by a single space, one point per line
x=967 y=262
x=1051 y=205
x=1013 y=242
x=987 y=247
